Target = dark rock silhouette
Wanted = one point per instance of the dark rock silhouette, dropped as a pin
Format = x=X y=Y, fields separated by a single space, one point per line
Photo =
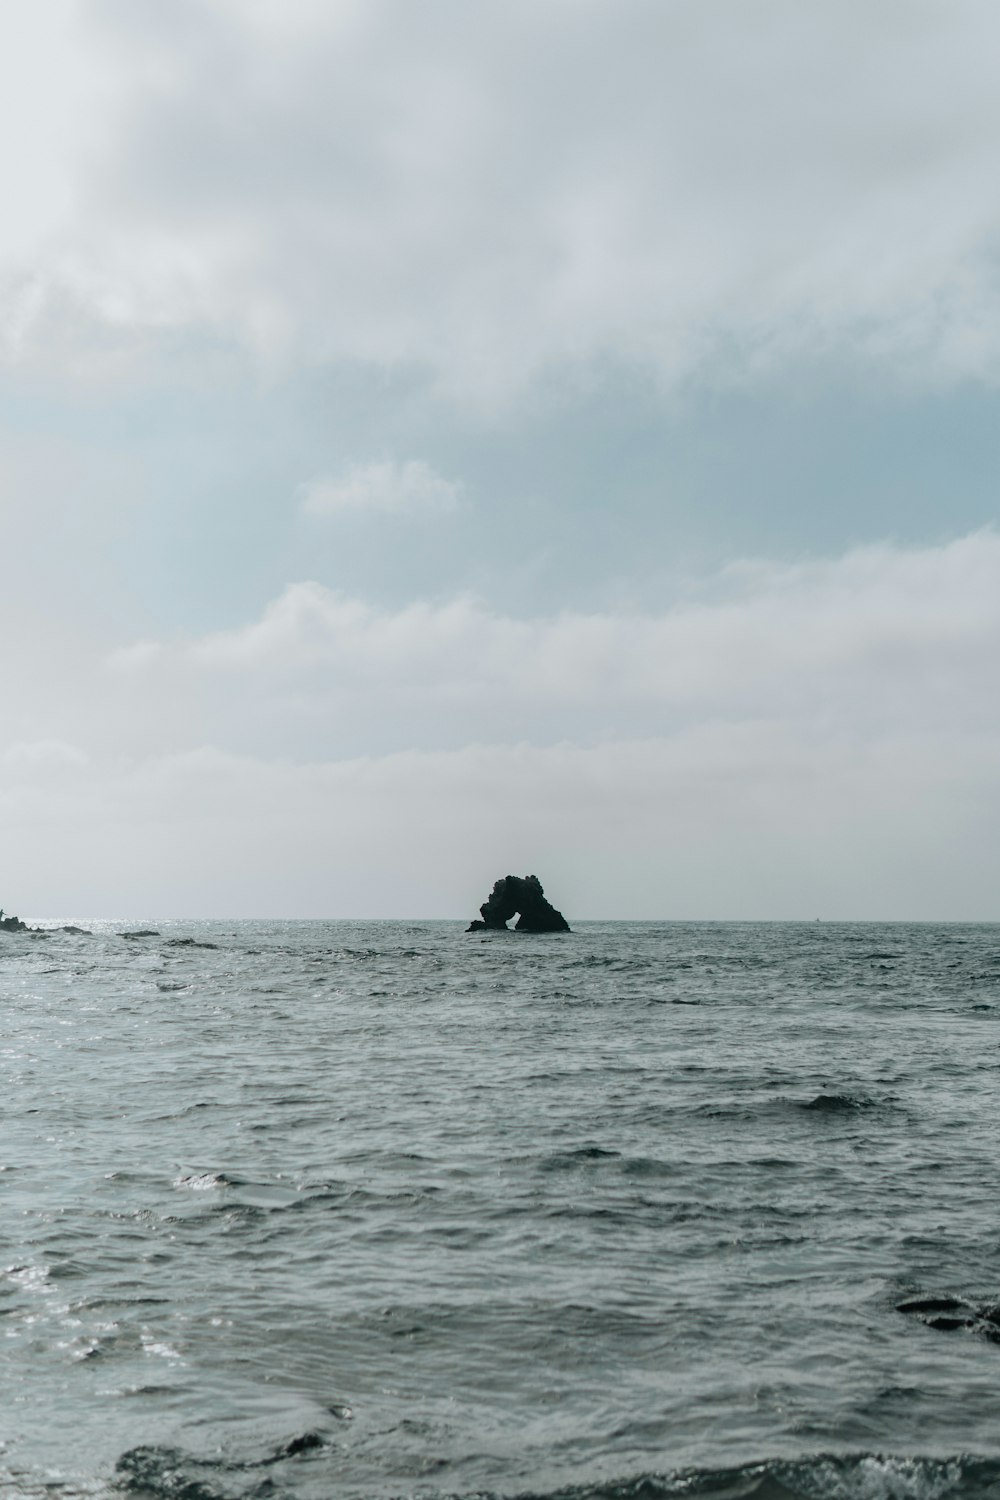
x=14 y=924
x=513 y=894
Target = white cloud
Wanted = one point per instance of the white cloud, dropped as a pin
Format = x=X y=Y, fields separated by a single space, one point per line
x=810 y=739
x=39 y=755
x=388 y=487
x=717 y=821
x=492 y=190
x=135 y=657
x=880 y=636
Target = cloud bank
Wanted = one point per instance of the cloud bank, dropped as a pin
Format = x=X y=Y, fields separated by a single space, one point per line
x=817 y=739
x=880 y=636
x=489 y=193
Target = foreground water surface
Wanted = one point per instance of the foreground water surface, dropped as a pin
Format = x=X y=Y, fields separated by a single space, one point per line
x=379 y=1209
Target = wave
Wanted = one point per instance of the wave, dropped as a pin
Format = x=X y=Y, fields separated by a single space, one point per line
x=153 y=1471
x=868 y=1476
x=825 y=1104
x=157 y=1473
x=843 y=1103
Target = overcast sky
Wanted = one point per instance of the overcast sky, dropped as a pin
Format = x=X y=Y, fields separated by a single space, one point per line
x=445 y=439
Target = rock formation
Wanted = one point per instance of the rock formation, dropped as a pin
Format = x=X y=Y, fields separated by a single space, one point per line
x=14 y=924
x=513 y=895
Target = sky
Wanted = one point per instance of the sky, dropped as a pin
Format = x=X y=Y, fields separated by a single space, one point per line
x=446 y=440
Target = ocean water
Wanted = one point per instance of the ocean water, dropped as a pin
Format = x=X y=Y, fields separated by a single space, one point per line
x=330 y=1209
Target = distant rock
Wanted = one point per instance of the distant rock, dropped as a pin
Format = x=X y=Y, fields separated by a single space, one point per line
x=140 y=932
x=514 y=895
x=14 y=924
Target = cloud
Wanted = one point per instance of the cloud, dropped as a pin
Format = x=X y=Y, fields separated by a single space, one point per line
x=492 y=193
x=501 y=205
x=881 y=636
x=716 y=821
x=817 y=738
x=388 y=487
x=40 y=755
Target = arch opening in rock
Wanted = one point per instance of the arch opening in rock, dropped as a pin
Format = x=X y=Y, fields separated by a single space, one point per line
x=523 y=897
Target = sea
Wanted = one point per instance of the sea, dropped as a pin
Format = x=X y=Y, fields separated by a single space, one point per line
x=384 y=1209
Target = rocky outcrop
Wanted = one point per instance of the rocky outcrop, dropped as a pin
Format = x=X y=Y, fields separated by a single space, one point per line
x=14 y=924
x=523 y=897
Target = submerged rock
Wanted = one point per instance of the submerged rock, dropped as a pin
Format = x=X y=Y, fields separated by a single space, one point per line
x=514 y=895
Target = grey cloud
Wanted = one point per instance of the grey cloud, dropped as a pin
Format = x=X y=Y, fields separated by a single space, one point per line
x=490 y=190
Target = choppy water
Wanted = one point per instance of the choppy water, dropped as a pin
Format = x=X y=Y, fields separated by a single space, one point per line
x=375 y=1209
